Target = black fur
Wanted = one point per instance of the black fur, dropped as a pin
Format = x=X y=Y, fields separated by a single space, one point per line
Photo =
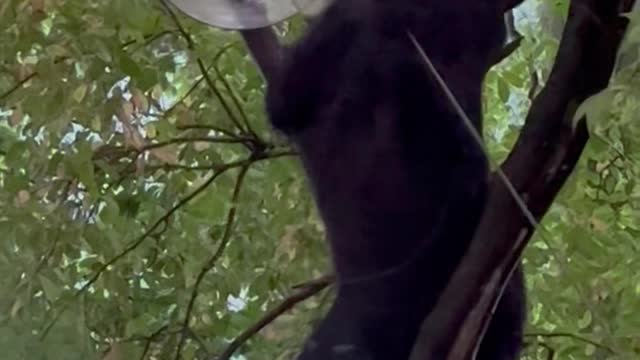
x=398 y=179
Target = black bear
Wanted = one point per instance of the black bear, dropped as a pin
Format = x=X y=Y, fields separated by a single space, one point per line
x=399 y=180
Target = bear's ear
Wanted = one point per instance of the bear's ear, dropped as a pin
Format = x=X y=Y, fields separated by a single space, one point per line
x=510 y=4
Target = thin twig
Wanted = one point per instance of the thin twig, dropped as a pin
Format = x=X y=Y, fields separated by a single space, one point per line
x=193 y=88
x=572 y=336
x=18 y=85
x=421 y=349
x=150 y=339
x=215 y=128
x=203 y=69
x=44 y=259
x=195 y=85
x=148 y=39
x=302 y=292
x=219 y=95
x=176 y=21
x=171 y=167
x=234 y=98
x=211 y=262
x=210 y=139
x=471 y=129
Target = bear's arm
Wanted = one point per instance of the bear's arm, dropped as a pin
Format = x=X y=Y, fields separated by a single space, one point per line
x=310 y=73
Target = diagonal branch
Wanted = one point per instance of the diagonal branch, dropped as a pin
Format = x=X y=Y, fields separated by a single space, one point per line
x=200 y=79
x=208 y=127
x=194 y=139
x=185 y=34
x=572 y=336
x=17 y=86
x=301 y=293
x=218 y=94
x=150 y=339
x=205 y=72
x=234 y=99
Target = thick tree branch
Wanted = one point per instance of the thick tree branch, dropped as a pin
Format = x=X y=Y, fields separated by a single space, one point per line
x=546 y=152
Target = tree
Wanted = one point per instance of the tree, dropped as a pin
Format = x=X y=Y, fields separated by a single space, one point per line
x=148 y=210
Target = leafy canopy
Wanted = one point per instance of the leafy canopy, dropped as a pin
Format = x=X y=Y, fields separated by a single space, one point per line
x=146 y=207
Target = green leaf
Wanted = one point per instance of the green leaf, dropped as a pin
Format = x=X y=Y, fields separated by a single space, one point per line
x=596 y=108
x=503 y=90
x=51 y=290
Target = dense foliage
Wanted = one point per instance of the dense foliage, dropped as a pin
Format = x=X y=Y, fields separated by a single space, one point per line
x=147 y=208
